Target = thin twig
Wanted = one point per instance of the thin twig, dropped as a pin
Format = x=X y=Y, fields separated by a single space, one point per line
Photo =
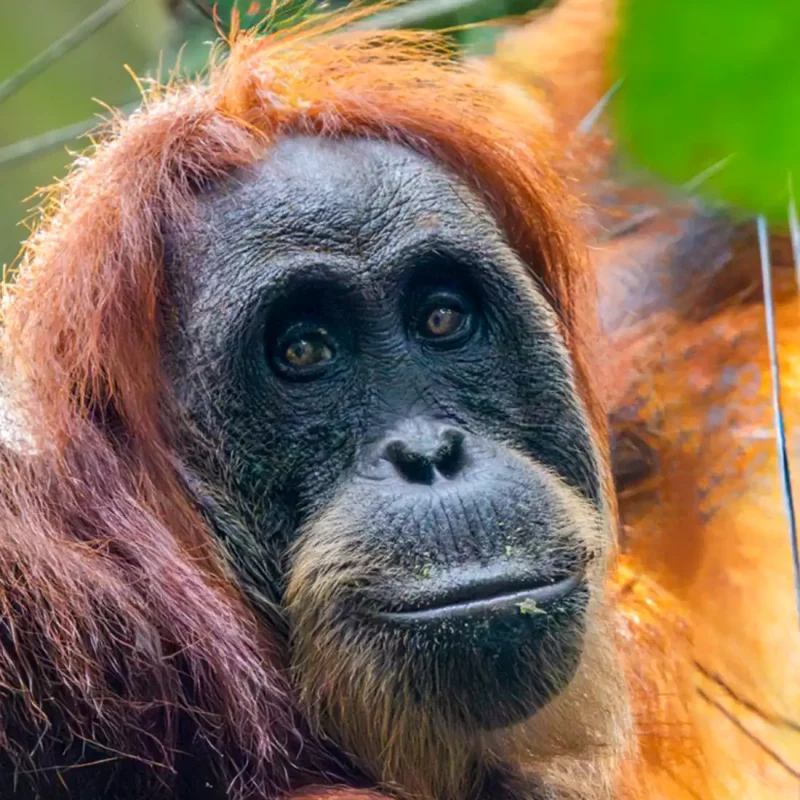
x=411 y=14
x=635 y=222
x=79 y=34
x=739 y=725
x=51 y=140
x=780 y=429
x=794 y=231
x=695 y=183
x=630 y=225
x=205 y=11
x=596 y=111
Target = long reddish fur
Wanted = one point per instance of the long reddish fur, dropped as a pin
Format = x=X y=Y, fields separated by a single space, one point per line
x=705 y=586
x=121 y=619
x=111 y=589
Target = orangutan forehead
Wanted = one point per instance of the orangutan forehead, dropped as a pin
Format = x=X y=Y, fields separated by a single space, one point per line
x=355 y=204
x=355 y=188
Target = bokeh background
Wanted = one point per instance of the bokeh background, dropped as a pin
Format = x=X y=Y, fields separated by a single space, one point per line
x=710 y=95
x=143 y=35
x=67 y=92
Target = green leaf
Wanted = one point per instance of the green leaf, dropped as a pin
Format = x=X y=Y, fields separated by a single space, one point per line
x=707 y=81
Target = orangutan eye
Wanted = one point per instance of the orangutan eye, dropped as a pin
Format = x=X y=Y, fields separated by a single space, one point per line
x=445 y=318
x=444 y=321
x=307 y=352
x=303 y=350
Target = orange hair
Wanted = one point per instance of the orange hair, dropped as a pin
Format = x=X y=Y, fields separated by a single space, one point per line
x=100 y=551
x=705 y=587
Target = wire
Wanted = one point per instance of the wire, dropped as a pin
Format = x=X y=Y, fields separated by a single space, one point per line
x=780 y=429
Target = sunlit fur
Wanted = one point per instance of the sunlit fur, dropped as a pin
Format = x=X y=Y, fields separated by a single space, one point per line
x=356 y=687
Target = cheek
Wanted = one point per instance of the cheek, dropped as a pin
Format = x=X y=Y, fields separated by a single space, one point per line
x=524 y=395
x=295 y=454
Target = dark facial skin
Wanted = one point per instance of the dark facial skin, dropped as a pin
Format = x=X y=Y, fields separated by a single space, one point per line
x=355 y=337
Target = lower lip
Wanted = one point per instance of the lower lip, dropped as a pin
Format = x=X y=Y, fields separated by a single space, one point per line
x=542 y=596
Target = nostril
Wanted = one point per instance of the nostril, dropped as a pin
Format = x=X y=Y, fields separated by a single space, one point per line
x=421 y=452
x=450 y=457
x=415 y=467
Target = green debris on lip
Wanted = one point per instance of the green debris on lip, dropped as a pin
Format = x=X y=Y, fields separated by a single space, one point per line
x=530 y=606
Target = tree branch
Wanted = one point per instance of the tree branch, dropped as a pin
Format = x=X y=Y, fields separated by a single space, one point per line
x=70 y=40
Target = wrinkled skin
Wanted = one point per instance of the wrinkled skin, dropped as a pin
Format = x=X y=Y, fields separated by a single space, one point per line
x=385 y=427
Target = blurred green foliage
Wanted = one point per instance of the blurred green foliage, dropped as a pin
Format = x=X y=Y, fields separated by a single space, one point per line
x=714 y=81
x=705 y=83
x=148 y=35
x=64 y=93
